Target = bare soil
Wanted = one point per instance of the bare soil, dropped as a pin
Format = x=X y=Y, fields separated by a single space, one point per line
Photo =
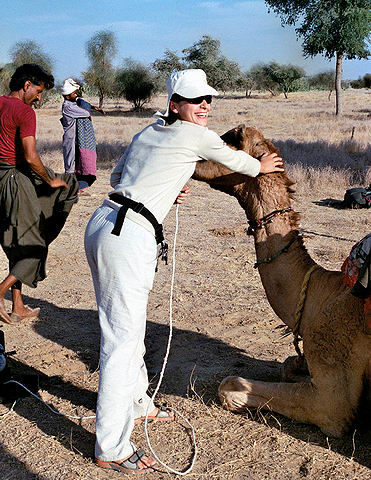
x=223 y=325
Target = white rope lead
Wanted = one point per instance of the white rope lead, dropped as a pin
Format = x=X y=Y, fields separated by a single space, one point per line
x=164 y=366
x=50 y=408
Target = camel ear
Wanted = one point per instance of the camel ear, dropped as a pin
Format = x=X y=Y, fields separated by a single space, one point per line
x=235 y=136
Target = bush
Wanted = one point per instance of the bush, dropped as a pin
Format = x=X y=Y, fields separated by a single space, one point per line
x=135 y=83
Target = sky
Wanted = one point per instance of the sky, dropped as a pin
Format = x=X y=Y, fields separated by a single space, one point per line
x=146 y=28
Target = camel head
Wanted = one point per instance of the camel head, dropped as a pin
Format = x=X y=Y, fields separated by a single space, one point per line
x=251 y=193
x=250 y=140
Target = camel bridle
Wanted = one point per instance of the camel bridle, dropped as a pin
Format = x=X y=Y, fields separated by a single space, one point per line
x=262 y=222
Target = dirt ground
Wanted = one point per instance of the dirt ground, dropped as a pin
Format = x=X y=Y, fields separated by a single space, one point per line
x=223 y=325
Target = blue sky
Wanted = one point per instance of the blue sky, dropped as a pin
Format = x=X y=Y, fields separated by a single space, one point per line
x=146 y=28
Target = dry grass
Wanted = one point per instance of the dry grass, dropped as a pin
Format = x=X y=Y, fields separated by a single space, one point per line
x=223 y=324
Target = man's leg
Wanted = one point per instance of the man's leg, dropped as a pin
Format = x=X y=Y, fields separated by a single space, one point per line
x=21 y=311
x=7 y=283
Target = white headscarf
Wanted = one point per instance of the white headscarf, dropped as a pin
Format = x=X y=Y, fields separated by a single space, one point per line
x=69 y=86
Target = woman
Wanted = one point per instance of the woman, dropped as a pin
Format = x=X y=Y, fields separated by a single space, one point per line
x=121 y=246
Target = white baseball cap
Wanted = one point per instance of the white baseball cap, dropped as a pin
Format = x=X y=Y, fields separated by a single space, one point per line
x=190 y=83
x=69 y=86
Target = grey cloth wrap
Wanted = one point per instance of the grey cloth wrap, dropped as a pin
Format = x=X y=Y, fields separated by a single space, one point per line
x=32 y=214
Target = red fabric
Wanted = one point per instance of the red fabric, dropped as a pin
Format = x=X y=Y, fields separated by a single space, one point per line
x=17 y=121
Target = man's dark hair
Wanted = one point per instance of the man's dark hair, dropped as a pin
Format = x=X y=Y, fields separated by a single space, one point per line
x=32 y=72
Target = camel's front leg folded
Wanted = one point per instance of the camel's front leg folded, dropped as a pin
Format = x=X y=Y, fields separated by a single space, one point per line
x=300 y=401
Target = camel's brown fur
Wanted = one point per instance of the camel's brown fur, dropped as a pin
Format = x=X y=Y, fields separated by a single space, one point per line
x=337 y=350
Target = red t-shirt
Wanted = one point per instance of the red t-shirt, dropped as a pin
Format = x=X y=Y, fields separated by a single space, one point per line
x=17 y=121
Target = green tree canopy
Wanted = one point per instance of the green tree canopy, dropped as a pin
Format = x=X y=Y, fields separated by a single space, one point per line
x=222 y=74
x=29 y=51
x=170 y=63
x=285 y=76
x=339 y=28
x=135 y=82
x=101 y=50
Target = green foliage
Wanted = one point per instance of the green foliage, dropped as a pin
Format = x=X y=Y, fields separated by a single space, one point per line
x=276 y=78
x=259 y=74
x=222 y=74
x=101 y=49
x=284 y=76
x=328 y=26
x=164 y=67
x=6 y=71
x=323 y=80
x=26 y=51
x=331 y=28
x=29 y=51
x=364 y=82
x=136 y=83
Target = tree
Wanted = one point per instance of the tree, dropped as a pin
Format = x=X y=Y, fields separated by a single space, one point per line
x=285 y=76
x=333 y=28
x=323 y=81
x=101 y=50
x=6 y=71
x=164 y=67
x=222 y=74
x=248 y=83
x=135 y=83
x=29 y=51
x=259 y=74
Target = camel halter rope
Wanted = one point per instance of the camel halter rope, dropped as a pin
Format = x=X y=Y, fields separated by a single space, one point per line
x=260 y=223
x=300 y=309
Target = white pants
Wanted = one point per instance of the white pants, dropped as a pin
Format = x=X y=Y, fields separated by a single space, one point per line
x=123 y=269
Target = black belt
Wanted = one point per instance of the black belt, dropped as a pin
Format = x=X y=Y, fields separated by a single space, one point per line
x=138 y=208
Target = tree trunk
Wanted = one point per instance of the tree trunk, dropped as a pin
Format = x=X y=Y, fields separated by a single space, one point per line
x=338 y=75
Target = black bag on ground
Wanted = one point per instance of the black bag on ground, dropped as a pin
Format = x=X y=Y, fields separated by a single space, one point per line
x=357 y=198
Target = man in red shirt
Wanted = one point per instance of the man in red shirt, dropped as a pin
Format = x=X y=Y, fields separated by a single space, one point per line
x=34 y=201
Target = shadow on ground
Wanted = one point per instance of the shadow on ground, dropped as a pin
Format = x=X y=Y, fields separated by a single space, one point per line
x=196 y=365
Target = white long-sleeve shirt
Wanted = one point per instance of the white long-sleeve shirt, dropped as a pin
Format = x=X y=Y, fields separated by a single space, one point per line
x=161 y=159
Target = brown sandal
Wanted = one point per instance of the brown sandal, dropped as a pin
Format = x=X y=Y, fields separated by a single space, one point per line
x=128 y=465
x=163 y=414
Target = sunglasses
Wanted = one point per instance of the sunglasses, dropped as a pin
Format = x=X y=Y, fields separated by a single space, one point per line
x=198 y=100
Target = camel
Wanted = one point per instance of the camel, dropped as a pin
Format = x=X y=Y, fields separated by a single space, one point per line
x=329 y=320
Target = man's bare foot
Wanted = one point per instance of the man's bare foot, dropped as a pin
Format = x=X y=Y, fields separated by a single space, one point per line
x=3 y=313
x=25 y=312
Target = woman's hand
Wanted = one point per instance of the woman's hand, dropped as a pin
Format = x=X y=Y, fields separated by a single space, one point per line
x=183 y=194
x=271 y=163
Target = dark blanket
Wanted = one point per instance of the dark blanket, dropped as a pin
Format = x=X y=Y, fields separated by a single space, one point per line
x=32 y=214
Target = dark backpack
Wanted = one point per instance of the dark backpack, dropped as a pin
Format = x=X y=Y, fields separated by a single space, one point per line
x=357 y=198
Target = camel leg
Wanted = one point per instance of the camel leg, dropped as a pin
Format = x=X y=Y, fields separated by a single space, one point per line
x=294 y=369
x=300 y=401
